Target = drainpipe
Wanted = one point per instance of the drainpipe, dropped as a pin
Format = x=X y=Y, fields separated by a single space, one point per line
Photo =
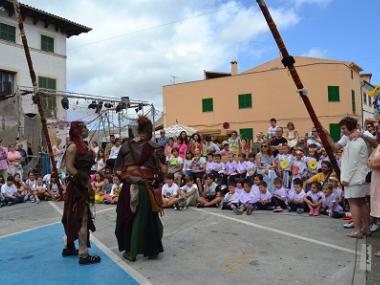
x=361 y=101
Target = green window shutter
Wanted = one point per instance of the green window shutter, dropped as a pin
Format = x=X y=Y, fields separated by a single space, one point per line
x=246 y=133
x=47 y=43
x=7 y=33
x=245 y=101
x=49 y=102
x=333 y=93
x=207 y=105
x=335 y=132
x=365 y=98
x=369 y=100
x=353 y=101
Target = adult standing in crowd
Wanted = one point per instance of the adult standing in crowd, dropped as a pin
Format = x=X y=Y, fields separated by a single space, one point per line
x=211 y=146
x=168 y=147
x=77 y=219
x=113 y=154
x=234 y=143
x=14 y=160
x=3 y=161
x=108 y=146
x=314 y=139
x=182 y=142
x=278 y=140
x=163 y=139
x=374 y=164
x=272 y=129
x=95 y=147
x=291 y=135
x=138 y=226
x=353 y=177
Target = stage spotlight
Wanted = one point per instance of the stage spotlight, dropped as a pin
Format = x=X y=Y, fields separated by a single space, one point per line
x=93 y=105
x=108 y=105
x=65 y=103
x=120 y=107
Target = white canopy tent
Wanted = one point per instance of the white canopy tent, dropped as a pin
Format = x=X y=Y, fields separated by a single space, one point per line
x=175 y=130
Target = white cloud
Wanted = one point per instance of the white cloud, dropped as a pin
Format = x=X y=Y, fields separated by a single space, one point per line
x=133 y=51
x=316 y=52
x=323 y=3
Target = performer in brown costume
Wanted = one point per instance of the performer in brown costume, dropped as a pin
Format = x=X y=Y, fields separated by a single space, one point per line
x=77 y=219
x=138 y=226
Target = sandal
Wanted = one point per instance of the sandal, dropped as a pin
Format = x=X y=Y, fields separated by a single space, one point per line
x=89 y=259
x=357 y=235
x=129 y=257
x=69 y=252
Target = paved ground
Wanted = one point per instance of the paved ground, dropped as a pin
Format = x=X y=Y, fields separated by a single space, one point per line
x=201 y=247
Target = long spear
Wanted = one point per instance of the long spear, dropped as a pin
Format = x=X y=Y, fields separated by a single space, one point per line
x=288 y=61
x=37 y=93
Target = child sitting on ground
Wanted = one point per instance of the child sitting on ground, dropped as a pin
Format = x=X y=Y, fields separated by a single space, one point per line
x=210 y=164
x=279 y=196
x=265 y=198
x=41 y=190
x=330 y=204
x=231 y=200
x=9 y=195
x=113 y=196
x=314 y=199
x=218 y=168
x=210 y=195
x=296 y=197
x=255 y=190
x=247 y=199
x=241 y=165
x=239 y=186
x=53 y=188
x=188 y=193
x=170 y=192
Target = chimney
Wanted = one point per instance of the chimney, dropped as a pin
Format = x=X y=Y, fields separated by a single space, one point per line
x=234 y=67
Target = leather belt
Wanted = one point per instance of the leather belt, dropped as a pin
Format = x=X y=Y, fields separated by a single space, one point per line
x=137 y=173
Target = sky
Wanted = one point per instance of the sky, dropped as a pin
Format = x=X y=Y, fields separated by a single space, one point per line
x=137 y=46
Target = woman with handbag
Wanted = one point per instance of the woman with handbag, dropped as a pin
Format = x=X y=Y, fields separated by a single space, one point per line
x=140 y=163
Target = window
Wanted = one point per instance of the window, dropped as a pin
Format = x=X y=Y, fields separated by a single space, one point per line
x=49 y=102
x=352 y=74
x=245 y=101
x=246 y=134
x=47 y=43
x=370 y=101
x=335 y=132
x=333 y=93
x=7 y=33
x=6 y=83
x=353 y=101
x=365 y=98
x=207 y=105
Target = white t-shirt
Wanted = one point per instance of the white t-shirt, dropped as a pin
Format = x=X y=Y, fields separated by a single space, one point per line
x=8 y=190
x=169 y=191
x=187 y=189
x=114 y=152
x=250 y=197
x=251 y=168
x=315 y=197
x=271 y=131
x=293 y=195
x=265 y=196
x=281 y=192
x=40 y=187
x=30 y=183
x=231 y=198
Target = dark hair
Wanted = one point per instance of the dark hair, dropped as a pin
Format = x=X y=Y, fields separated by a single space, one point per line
x=199 y=140
x=239 y=181
x=174 y=149
x=252 y=154
x=10 y=178
x=210 y=175
x=260 y=176
x=144 y=126
x=316 y=184
x=350 y=123
x=188 y=178
x=273 y=120
x=297 y=181
x=170 y=176
x=243 y=155
x=246 y=181
x=277 y=180
x=218 y=155
x=263 y=183
x=231 y=183
x=327 y=163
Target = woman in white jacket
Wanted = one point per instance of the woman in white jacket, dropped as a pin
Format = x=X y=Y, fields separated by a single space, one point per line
x=353 y=177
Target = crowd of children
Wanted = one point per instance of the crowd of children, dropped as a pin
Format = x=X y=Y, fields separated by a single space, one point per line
x=289 y=180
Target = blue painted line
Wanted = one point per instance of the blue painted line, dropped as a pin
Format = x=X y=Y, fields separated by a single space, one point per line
x=34 y=257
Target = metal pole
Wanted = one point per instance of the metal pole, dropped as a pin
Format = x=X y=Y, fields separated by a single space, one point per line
x=288 y=62
x=37 y=94
x=154 y=122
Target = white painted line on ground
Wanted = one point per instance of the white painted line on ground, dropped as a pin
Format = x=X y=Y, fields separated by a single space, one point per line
x=114 y=257
x=28 y=230
x=278 y=231
x=363 y=257
x=369 y=257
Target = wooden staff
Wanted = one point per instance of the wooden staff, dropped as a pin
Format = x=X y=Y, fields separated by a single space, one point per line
x=37 y=93
x=288 y=61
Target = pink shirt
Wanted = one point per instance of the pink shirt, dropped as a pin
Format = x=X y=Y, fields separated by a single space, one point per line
x=13 y=157
x=182 y=150
x=3 y=159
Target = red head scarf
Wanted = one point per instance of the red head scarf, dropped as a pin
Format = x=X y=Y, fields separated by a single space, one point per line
x=75 y=136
